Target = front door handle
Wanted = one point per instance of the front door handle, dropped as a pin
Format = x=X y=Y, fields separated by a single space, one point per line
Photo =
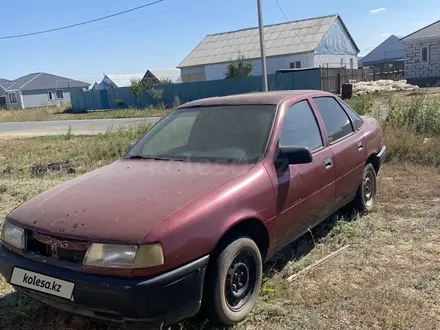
x=360 y=146
x=328 y=163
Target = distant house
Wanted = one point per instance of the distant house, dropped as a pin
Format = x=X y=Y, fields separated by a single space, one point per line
x=156 y=76
x=124 y=80
x=39 y=89
x=422 y=55
x=3 y=82
x=387 y=57
x=111 y=81
x=323 y=41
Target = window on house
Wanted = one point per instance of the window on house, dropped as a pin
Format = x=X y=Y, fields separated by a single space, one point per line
x=59 y=94
x=295 y=65
x=425 y=55
x=50 y=96
x=298 y=64
x=12 y=98
x=351 y=63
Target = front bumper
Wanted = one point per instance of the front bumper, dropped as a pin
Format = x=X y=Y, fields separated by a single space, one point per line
x=154 y=301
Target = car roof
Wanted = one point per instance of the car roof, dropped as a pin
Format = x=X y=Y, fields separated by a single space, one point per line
x=275 y=97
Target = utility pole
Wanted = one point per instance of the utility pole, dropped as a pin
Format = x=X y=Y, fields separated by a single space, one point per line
x=263 y=55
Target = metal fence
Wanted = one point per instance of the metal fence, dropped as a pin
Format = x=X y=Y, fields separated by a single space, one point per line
x=332 y=79
x=185 y=92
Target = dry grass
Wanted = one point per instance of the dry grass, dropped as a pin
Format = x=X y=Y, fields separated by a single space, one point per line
x=63 y=113
x=388 y=279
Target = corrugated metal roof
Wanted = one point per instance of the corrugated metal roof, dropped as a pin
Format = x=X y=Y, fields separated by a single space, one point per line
x=172 y=74
x=430 y=31
x=280 y=39
x=390 y=49
x=41 y=80
x=124 y=80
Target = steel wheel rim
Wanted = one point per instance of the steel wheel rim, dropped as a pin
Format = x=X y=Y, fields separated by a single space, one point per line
x=368 y=188
x=240 y=281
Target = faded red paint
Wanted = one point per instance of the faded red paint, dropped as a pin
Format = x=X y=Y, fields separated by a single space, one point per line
x=188 y=207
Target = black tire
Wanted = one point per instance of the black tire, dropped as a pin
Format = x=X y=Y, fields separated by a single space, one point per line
x=365 y=200
x=240 y=260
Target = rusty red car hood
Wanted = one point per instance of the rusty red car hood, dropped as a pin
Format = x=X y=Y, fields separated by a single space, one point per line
x=121 y=202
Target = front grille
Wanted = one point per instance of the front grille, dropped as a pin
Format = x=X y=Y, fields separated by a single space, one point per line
x=56 y=247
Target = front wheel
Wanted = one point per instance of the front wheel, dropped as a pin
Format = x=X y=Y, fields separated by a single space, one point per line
x=233 y=282
x=365 y=199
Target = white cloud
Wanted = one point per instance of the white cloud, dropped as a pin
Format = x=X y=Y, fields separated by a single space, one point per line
x=377 y=10
x=384 y=35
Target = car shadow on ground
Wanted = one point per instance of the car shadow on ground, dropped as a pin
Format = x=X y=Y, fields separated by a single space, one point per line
x=27 y=312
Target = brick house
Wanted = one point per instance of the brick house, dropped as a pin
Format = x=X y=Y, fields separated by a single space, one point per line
x=422 y=56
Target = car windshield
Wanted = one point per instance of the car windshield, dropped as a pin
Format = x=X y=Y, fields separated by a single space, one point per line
x=235 y=134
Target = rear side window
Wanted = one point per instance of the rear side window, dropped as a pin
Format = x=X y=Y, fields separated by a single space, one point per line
x=300 y=128
x=355 y=119
x=335 y=119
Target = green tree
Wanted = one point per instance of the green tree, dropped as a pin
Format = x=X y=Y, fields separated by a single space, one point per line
x=241 y=67
x=157 y=95
x=138 y=87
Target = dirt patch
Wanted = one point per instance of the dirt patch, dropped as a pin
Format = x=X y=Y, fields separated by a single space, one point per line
x=42 y=169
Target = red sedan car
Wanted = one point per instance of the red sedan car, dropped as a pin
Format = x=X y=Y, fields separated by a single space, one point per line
x=195 y=207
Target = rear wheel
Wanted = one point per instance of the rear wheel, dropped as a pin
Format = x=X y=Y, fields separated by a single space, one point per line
x=233 y=282
x=365 y=200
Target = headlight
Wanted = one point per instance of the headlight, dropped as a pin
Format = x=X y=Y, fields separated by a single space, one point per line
x=13 y=235
x=124 y=256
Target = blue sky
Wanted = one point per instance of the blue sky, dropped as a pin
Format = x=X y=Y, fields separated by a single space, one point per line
x=162 y=35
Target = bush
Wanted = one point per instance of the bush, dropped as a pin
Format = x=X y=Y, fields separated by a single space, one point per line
x=418 y=114
x=411 y=128
x=362 y=104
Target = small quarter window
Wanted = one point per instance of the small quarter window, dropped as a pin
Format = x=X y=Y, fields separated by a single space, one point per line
x=355 y=119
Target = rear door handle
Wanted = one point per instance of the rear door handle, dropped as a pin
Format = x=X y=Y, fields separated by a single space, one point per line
x=360 y=146
x=328 y=163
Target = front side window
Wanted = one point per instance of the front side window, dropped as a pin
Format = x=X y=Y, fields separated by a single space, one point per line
x=12 y=98
x=335 y=119
x=59 y=94
x=300 y=128
x=235 y=134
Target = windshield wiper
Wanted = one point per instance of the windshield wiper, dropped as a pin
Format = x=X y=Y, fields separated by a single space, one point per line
x=156 y=158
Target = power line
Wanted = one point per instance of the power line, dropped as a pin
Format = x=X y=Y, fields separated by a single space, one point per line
x=106 y=26
x=279 y=6
x=287 y=19
x=81 y=23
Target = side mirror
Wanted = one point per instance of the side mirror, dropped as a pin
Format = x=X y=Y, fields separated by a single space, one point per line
x=130 y=146
x=294 y=155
